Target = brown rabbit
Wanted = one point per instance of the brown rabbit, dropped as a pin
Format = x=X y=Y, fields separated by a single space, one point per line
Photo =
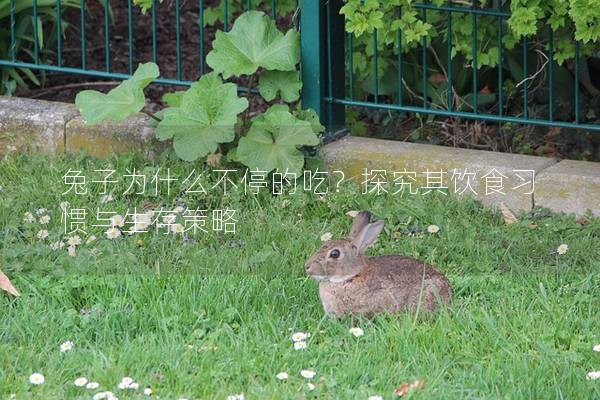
x=351 y=283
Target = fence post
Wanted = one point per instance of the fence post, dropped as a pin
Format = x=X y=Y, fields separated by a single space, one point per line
x=323 y=61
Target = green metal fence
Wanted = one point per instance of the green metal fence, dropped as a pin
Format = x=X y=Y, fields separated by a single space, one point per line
x=327 y=56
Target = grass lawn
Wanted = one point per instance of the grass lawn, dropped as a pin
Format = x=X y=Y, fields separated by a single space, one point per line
x=213 y=316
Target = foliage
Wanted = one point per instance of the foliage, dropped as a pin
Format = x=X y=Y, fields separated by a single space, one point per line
x=120 y=102
x=399 y=21
x=46 y=24
x=202 y=119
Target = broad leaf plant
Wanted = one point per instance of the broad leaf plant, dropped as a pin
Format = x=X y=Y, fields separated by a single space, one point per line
x=211 y=117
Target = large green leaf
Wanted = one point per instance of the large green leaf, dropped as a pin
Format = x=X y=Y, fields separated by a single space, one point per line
x=285 y=82
x=254 y=42
x=273 y=142
x=206 y=117
x=122 y=101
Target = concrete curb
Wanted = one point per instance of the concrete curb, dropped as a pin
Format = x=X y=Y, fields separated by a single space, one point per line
x=55 y=127
x=566 y=186
x=519 y=181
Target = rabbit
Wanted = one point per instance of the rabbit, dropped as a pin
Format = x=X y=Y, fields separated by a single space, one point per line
x=351 y=283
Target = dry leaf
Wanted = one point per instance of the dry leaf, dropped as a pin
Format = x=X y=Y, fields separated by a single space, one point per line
x=507 y=215
x=407 y=387
x=7 y=286
x=213 y=160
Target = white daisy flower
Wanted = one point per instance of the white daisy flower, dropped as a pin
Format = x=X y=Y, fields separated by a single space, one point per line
x=177 y=228
x=236 y=397
x=352 y=214
x=126 y=382
x=147 y=392
x=300 y=345
x=134 y=386
x=40 y=211
x=562 y=249
x=42 y=234
x=326 y=236
x=99 y=396
x=66 y=346
x=311 y=386
x=72 y=250
x=74 y=240
x=64 y=205
x=282 y=376
x=29 y=218
x=44 y=219
x=433 y=229
x=596 y=348
x=37 y=379
x=356 y=331
x=57 y=245
x=92 y=385
x=90 y=239
x=106 y=198
x=300 y=336
x=81 y=382
x=592 y=375
x=117 y=220
x=308 y=373
x=112 y=233
x=375 y=397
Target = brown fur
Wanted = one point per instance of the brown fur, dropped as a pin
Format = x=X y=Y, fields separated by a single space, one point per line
x=359 y=285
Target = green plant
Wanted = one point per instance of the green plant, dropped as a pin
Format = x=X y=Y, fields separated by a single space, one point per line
x=206 y=118
x=24 y=26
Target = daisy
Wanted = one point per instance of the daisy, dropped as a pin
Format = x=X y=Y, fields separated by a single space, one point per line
x=92 y=385
x=236 y=397
x=40 y=211
x=326 y=237
x=90 y=239
x=300 y=345
x=357 y=331
x=43 y=234
x=433 y=229
x=562 y=249
x=57 y=245
x=177 y=228
x=300 y=336
x=593 y=375
x=28 y=217
x=117 y=220
x=81 y=382
x=311 y=386
x=112 y=233
x=44 y=219
x=106 y=198
x=37 y=379
x=282 y=376
x=66 y=346
x=147 y=392
x=74 y=240
x=134 y=386
x=72 y=251
x=125 y=383
x=308 y=374
x=596 y=348
x=375 y=398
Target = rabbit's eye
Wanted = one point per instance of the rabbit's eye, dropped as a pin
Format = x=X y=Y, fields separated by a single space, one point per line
x=335 y=253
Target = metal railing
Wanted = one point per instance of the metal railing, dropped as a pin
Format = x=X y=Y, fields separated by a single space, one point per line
x=329 y=80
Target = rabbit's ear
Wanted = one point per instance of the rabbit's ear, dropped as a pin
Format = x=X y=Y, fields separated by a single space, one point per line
x=367 y=236
x=360 y=221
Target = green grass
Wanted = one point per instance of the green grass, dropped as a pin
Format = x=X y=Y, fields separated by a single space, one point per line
x=521 y=326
